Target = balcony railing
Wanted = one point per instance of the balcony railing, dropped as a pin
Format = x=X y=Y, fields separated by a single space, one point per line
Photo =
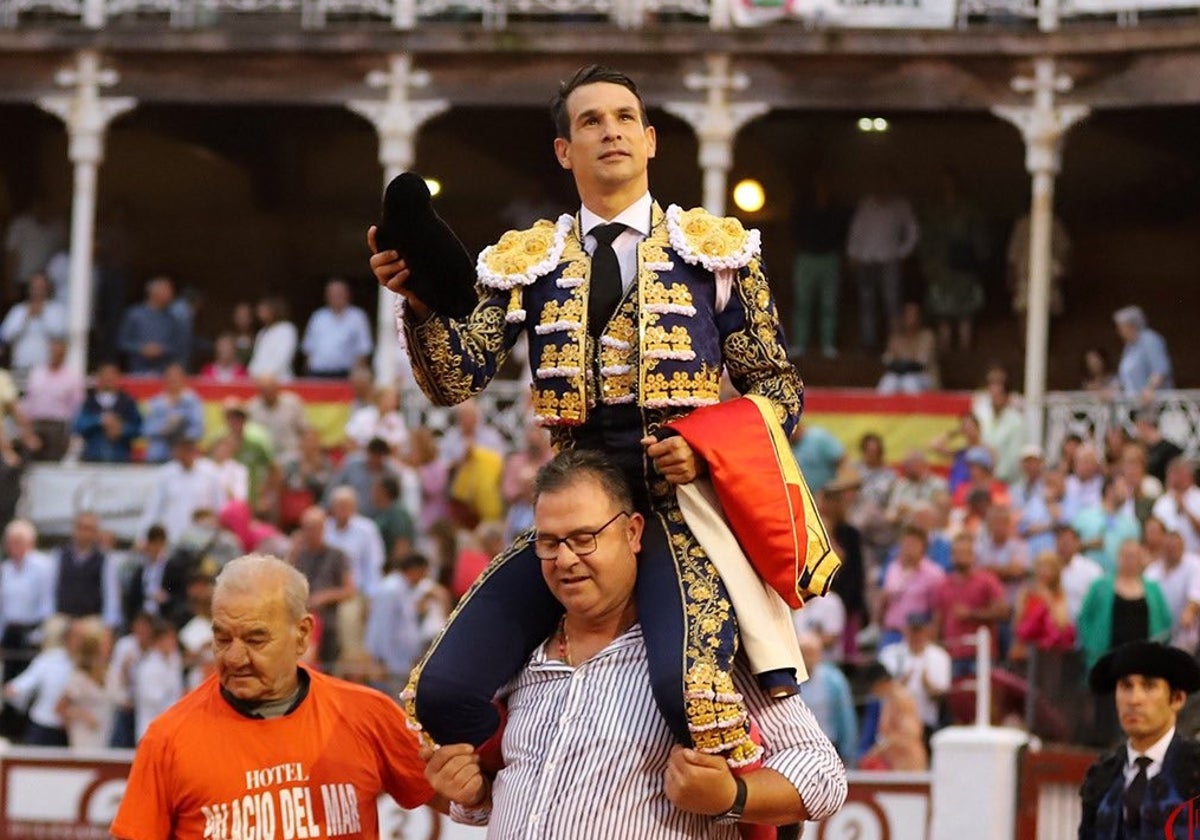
x=627 y=14
x=1090 y=415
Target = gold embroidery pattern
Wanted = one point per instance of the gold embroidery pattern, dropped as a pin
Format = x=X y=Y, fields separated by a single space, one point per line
x=452 y=360
x=561 y=317
x=618 y=355
x=663 y=344
x=716 y=713
x=682 y=389
x=714 y=242
x=521 y=256
x=755 y=356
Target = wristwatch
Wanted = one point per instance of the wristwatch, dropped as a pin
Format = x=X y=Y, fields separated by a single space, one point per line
x=734 y=814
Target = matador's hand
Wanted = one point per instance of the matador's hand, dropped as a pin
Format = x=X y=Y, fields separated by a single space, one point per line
x=674 y=458
x=392 y=273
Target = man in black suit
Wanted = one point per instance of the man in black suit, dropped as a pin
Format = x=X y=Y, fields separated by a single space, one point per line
x=1142 y=789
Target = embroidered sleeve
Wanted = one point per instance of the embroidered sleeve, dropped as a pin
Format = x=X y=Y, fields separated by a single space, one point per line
x=754 y=349
x=454 y=360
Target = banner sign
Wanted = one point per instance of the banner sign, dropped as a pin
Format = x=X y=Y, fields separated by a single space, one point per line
x=117 y=493
x=57 y=794
x=855 y=14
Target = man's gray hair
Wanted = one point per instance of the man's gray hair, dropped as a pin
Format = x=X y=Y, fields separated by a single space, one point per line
x=260 y=574
x=22 y=527
x=1131 y=315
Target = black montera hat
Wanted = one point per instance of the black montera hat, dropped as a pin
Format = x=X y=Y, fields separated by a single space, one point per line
x=1150 y=659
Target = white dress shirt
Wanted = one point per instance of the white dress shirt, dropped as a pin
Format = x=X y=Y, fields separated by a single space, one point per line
x=1167 y=511
x=274 y=349
x=30 y=335
x=179 y=494
x=363 y=546
x=27 y=590
x=43 y=682
x=913 y=669
x=336 y=340
x=1156 y=753
x=581 y=766
x=636 y=218
x=883 y=230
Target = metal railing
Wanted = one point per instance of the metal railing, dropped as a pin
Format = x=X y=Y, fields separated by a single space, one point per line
x=1090 y=415
x=627 y=14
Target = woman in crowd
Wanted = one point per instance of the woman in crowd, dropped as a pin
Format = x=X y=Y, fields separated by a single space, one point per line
x=87 y=706
x=910 y=360
x=275 y=343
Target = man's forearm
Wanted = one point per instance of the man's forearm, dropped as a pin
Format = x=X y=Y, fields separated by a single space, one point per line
x=772 y=800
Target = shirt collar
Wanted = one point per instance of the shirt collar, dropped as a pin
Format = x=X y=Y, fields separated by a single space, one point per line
x=539 y=661
x=248 y=710
x=635 y=216
x=1156 y=753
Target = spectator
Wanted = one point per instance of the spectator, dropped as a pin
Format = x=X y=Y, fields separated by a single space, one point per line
x=519 y=517
x=883 y=232
x=980 y=477
x=953 y=254
x=1001 y=423
x=431 y=598
x=922 y=666
x=281 y=413
x=360 y=471
x=1043 y=616
x=827 y=693
x=1018 y=266
x=233 y=475
x=176 y=412
x=970 y=518
x=145 y=593
x=87 y=583
x=818 y=453
x=954 y=444
x=53 y=395
x=151 y=336
x=33 y=237
x=1177 y=574
x=917 y=483
x=850 y=583
x=819 y=230
x=275 y=343
x=205 y=538
x=1159 y=451
x=910 y=360
x=28 y=327
x=1098 y=376
x=1178 y=508
x=1029 y=499
x=196 y=634
x=536 y=453
x=184 y=485
x=909 y=584
x=1103 y=527
x=1122 y=607
x=395 y=523
x=126 y=655
x=433 y=473
x=900 y=743
x=362 y=386
x=470 y=430
x=1079 y=571
x=381 y=420
x=86 y=707
x=39 y=687
x=937 y=549
x=253 y=535
x=329 y=577
x=1000 y=549
x=158 y=679
x=306 y=475
x=1085 y=482
x=358 y=538
x=109 y=419
x=478 y=550
x=338 y=335
x=1145 y=365
x=251 y=446
x=474 y=493
x=1144 y=489
x=867 y=511
x=26 y=600
x=225 y=367
x=969 y=598
x=242 y=323
x=393 y=636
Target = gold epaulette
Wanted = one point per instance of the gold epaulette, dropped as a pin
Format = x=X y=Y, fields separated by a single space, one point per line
x=711 y=241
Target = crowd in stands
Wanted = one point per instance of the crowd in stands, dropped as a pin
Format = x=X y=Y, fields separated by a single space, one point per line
x=1060 y=555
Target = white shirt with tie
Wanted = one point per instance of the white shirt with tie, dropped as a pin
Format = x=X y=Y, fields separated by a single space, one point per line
x=1156 y=752
x=636 y=218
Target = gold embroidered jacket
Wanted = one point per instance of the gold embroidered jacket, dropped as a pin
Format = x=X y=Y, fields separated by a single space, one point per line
x=700 y=303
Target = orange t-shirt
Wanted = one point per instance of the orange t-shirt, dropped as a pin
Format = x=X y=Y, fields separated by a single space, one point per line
x=205 y=771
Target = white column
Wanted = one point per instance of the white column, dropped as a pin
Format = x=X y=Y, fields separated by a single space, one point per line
x=1043 y=124
x=397 y=119
x=716 y=122
x=976 y=765
x=86 y=115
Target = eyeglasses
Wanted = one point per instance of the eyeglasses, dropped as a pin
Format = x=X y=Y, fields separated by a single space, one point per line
x=581 y=543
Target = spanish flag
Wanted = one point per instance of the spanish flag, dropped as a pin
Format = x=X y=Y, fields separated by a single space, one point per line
x=764 y=496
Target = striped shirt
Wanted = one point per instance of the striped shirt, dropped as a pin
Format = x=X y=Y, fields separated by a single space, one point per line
x=585 y=753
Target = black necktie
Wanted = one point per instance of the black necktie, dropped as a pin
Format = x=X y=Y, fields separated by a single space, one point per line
x=605 y=290
x=1135 y=794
